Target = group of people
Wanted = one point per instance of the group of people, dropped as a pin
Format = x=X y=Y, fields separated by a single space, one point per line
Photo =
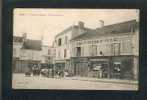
x=36 y=70
x=61 y=73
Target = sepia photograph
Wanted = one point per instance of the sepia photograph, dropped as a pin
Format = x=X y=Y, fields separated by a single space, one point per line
x=75 y=49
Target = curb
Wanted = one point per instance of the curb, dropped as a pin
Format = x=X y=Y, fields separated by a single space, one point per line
x=130 y=83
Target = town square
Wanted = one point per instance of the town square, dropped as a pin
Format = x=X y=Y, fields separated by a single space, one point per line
x=87 y=50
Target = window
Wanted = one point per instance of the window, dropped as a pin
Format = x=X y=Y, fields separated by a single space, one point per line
x=65 y=53
x=66 y=39
x=78 y=53
x=59 y=54
x=93 y=50
x=59 y=42
x=49 y=52
x=101 y=53
x=116 y=49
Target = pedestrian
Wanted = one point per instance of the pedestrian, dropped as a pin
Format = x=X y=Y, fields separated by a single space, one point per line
x=58 y=74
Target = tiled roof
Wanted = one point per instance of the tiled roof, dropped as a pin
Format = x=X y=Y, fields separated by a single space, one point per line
x=17 y=39
x=32 y=44
x=124 y=27
x=70 y=28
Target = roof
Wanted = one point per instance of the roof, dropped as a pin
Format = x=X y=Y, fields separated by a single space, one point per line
x=119 y=28
x=64 y=31
x=32 y=44
x=17 y=39
x=70 y=28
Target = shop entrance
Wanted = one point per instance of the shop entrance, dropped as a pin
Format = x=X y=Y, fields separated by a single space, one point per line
x=81 y=69
x=122 y=68
x=100 y=69
x=117 y=70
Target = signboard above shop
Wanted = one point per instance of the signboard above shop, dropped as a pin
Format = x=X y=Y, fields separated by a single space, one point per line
x=97 y=67
x=99 y=60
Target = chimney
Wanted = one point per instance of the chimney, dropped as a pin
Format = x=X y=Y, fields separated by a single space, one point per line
x=101 y=23
x=81 y=24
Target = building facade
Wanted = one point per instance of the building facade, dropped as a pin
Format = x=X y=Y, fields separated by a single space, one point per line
x=108 y=52
x=63 y=46
x=27 y=52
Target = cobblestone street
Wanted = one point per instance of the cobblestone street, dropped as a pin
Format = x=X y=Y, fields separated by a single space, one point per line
x=20 y=81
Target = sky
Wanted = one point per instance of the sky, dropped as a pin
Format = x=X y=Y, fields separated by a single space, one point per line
x=46 y=23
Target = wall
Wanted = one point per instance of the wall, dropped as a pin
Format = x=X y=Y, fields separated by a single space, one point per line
x=135 y=43
x=44 y=53
x=64 y=45
x=105 y=45
x=26 y=54
x=30 y=55
x=17 y=49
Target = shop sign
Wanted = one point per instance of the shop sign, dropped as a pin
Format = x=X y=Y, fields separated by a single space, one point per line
x=81 y=59
x=97 y=68
x=99 y=60
x=117 y=62
x=60 y=61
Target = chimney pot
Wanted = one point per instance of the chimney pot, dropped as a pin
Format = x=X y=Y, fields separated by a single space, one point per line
x=101 y=23
x=81 y=24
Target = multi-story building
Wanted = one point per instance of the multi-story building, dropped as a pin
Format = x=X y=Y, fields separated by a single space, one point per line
x=17 y=44
x=113 y=49
x=63 y=46
x=27 y=52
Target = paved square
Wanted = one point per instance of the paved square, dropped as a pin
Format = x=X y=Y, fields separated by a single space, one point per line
x=20 y=81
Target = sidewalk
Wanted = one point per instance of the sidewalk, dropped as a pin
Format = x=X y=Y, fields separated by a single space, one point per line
x=119 y=81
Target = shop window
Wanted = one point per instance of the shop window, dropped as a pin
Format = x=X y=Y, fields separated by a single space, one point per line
x=117 y=68
x=97 y=67
x=59 y=41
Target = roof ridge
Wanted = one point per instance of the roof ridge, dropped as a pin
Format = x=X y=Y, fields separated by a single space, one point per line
x=119 y=23
x=121 y=27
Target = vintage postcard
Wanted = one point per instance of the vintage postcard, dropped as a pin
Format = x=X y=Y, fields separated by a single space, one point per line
x=75 y=49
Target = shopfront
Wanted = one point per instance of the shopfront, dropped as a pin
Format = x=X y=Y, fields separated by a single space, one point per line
x=115 y=67
x=79 y=66
x=99 y=67
x=22 y=66
x=60 y=65
x=122 y=67
x=91 y=67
